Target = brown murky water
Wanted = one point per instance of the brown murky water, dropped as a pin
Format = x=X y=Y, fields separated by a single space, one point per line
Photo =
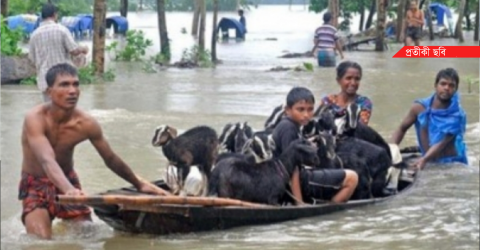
x=441 y=212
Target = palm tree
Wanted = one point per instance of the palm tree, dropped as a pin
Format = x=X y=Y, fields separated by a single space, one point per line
x=98 y=54
x=196 y=18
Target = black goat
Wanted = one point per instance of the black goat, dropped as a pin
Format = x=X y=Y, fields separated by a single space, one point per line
x=197 y=146
x=274 y=118
x=234 y=136
x=265 y=182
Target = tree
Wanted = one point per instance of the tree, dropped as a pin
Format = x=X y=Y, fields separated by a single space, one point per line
x=123 y=8
x=400 y=20
x=380 y=30
x=371 y=13
x=429 y=19
x=4 y=6
x=99 y=13
x=334 y=8
x=477 y=18
x=214 y=31
x=458 y=28
x=162 y=29
x=201 y=35
x=196 y=18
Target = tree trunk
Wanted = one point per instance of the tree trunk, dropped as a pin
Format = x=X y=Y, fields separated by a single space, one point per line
x=4 y=6
x=140 y=5
x=98 y=54
x=214 y=31
x=334 y=9
x=362 y=15
x=196 y=18
x=373 y=8
x=162 y=29
x=468 y=22
x=429 y=19
x=381 y=18
x=400 y=19
x=123 y=8
x=477 y=21
x=421 y=4
x=458 y=29
x=201 y=35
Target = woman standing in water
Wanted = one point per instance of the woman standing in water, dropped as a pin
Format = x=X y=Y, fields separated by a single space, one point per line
x=349 y=75
x=325 y=43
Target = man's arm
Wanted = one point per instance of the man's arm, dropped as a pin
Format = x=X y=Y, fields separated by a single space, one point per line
x=43 y=152
x=407 y=122
x=115 y=163
x=435 y=150
x=109 y=157
x=71 y=46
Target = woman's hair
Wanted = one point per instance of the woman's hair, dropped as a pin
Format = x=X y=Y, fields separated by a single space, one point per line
x=327 y=17
x=344 y=66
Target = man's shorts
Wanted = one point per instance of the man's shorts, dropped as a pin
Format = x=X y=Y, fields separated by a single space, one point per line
x=40 y=192
x=414 y=32
x=326 y=58
x=321 y=184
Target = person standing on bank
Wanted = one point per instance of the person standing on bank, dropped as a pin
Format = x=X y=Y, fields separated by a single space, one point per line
x=50 y=44
x=325 y=43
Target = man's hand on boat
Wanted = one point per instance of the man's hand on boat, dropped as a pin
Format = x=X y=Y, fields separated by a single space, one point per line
x=150 y=188
x=74 y=192
x=420 y=163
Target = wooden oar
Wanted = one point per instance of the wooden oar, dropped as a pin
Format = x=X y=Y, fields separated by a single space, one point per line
x=146 y=200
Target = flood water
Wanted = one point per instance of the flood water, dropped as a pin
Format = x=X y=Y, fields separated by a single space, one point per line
x=440 y=212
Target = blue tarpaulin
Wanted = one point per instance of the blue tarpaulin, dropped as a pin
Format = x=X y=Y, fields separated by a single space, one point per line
x=120 y=24
x=26 y=22
x=229 y=23
x=440 y=11
x=73 y=24
x=86 y=22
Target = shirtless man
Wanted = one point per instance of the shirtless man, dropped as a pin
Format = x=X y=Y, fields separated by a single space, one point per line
x=50 y=133
x=415 y=20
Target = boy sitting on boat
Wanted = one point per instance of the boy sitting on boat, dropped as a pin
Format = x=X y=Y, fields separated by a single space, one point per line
x=336 y=185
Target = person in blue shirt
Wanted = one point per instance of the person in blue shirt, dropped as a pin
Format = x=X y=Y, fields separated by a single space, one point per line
x=242 y=20
x=440 y=122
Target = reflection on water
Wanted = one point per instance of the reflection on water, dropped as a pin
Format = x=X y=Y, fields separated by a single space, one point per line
x=440 y=212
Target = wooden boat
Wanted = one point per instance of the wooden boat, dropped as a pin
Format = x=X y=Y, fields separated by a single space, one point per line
x=169 y=219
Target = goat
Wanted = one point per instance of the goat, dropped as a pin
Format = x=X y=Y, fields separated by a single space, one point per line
x=276 y=116
x=261 y=146
x=329 y=159
x=265 y=182
x=234 y=136
x=197 y=146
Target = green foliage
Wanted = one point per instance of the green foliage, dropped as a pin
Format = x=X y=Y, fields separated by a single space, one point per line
x=201 y=57
x=65 y=7
x=134 y=50
x=29 y=81
x=308 y=66
x=471 y=81
x=10 y=39
x=86 y=75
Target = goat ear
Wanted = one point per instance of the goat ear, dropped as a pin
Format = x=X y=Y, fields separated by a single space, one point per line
x=271 y=142
x=172 y=131
x=247 y=145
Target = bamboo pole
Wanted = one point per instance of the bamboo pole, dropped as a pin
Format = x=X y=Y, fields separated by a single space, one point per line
x=147 y=200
